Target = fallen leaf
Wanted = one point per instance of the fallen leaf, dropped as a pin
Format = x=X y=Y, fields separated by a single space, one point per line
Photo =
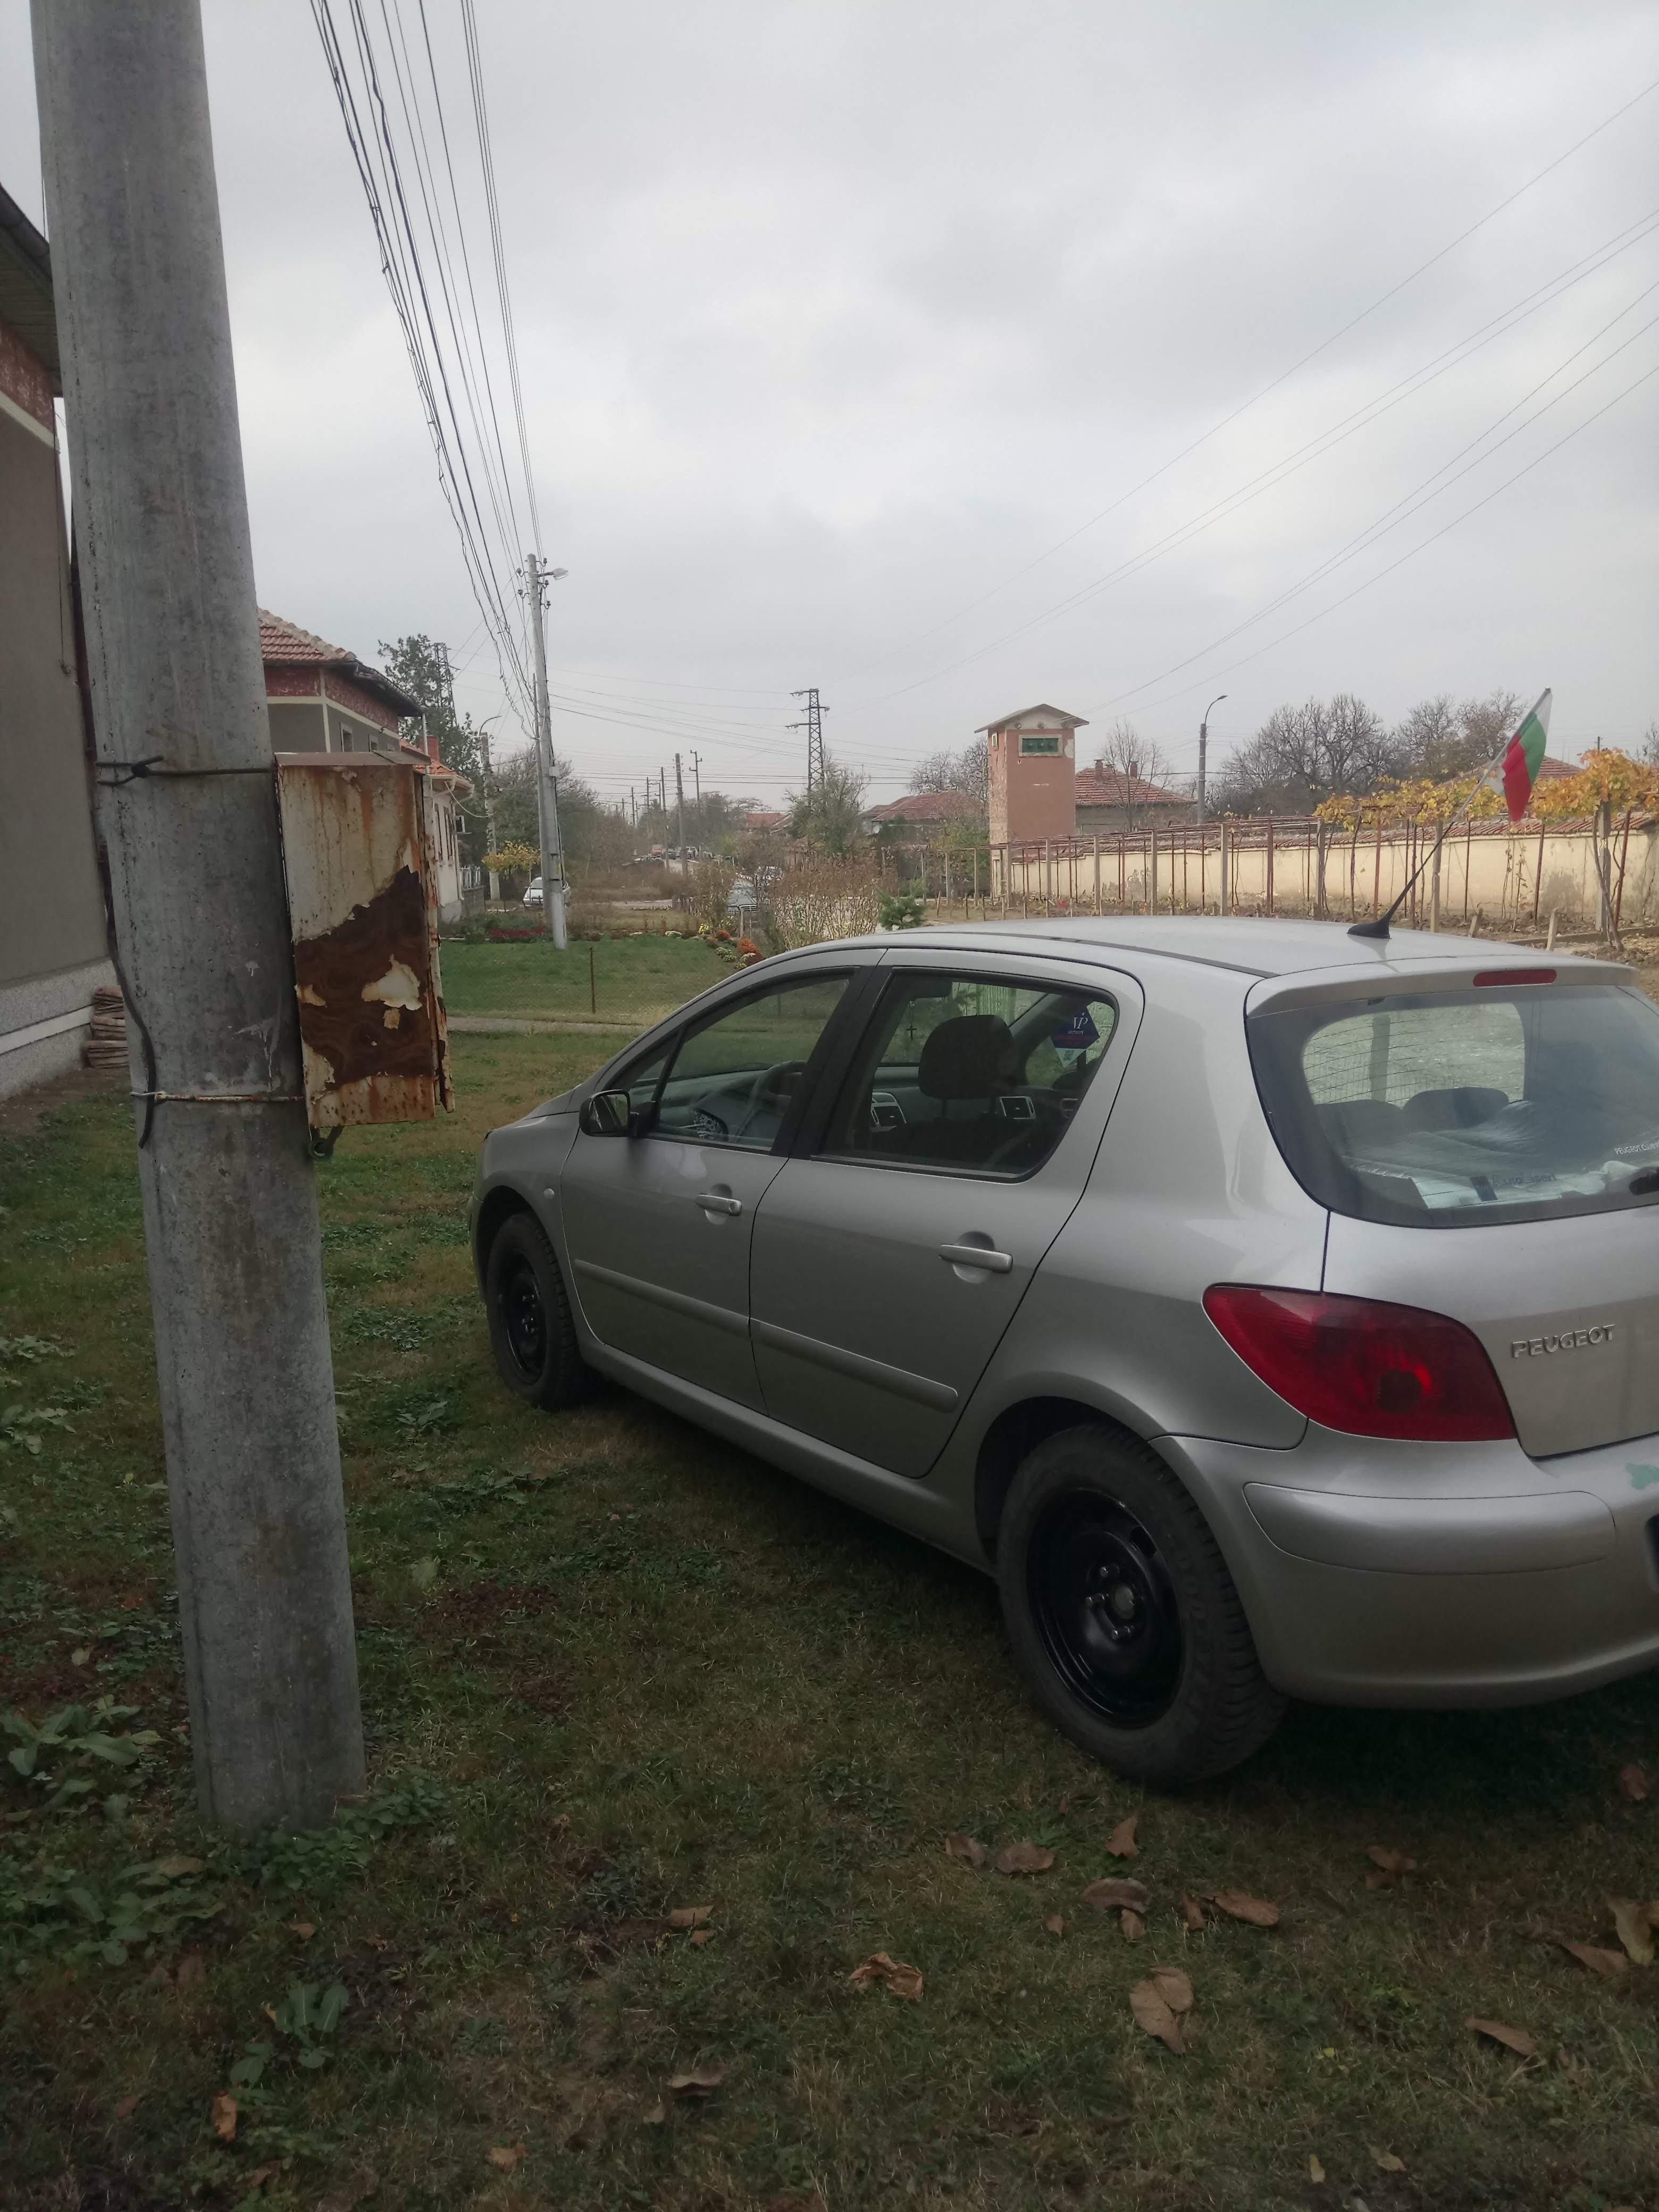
x=1192 y=1913
x=697 y=2080
x=900 y=1980
x=1159 y=2004
x=260 y=2175
x=1629 y=1922
x=423 y=1573
x=1132 y=1924
x=192 y=1967
x=1609 y=1965
x=689 y=1916
x=1121 y=1841
x=1634 y=1781
x=126 y=2108
x=966 y=1848
x=224 y=2117
x=1238 y=1905
x=178 y=1864
x=1025 y=1858
x=700 y=1935
x=1113 y=1892
x=1054 y=1925
x=507 y=2156
x=79 y=1656
x=1316 y=2171
x=656 y=2115
x=305 y=1930
x=1387 y=2160
x=1388 y=1862
x=1512 y=2039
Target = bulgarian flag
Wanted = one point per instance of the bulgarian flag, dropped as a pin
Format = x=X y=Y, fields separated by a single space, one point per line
x=1523 y=757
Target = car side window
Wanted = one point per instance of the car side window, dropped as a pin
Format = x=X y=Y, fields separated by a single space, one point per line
x=969 y=1074
x=733 y=1078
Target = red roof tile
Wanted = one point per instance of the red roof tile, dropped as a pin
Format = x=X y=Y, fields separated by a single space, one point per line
x=924 y=806
x=285 y=643
x=1100 y=786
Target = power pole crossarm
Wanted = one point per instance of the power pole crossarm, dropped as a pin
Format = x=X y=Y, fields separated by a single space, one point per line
x=229 y=1191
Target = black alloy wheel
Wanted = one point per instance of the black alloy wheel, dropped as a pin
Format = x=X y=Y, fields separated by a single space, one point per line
x=1105 y=1608
x=1121 y=1615
x=532 y=1329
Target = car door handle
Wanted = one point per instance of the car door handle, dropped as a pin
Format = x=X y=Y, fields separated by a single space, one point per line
x=978 y=1256
x=712 y=1202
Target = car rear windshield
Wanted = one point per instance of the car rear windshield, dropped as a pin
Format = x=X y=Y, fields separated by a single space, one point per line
x=1450 y=1110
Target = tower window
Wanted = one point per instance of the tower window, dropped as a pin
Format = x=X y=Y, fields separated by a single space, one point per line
x=1038 y=744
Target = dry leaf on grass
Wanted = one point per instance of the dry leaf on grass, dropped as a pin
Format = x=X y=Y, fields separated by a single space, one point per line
x=192 y=1967
x=1132 y=1924
x=968 y=1849
x=898 y=1980
x=1121 y=1841
x=1634 y=1781
x=1238 y=1905
x=507 y=2156
x=1161 y=2003
x=1025 y=1858
x=1390 y=1863
x=689 y=1916
x=656 y=2115
x=1609 y=1965
x=126 y=2108
x=1054 y=1925
x=1631 y=1923
x=1192 y=1913
x=1316 y=2171
x=697 y=2080
x=224 y=2117
x=305 y=1930
x=1512 y=2039
x=260 y=2175
x=177 y=1865
x=1113 y=1892
x=1387 y=2162
x=700 y=1935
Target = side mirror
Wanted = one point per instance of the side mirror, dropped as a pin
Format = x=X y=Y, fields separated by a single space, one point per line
x=606 y=1114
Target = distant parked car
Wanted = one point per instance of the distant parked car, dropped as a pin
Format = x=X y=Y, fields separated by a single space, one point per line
x=1273 y=1313
x=533 y=893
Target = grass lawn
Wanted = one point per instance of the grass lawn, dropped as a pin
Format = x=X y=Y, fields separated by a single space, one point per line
x=637 y=978
x=612 y=1669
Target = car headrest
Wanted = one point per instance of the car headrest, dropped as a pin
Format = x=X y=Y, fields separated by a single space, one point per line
x=1460 y=1108
x=970 y=1056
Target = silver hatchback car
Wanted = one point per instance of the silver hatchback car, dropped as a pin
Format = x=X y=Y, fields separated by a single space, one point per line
x=1274 y=1313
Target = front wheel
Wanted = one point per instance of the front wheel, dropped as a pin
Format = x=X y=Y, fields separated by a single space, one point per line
x=1123 y=1619
x=531 y=1326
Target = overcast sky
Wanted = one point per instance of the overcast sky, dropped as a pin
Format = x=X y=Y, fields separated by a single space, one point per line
x=849 y=331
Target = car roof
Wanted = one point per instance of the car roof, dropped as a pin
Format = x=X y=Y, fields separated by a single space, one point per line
x=1257 y=949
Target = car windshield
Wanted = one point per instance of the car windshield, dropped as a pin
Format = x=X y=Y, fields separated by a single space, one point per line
x=1481 y=1105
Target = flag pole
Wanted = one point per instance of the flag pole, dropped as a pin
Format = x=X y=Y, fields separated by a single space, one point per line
x=1539 y=712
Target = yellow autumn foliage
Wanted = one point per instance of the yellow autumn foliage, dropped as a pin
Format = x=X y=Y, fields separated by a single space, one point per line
x=1606 y=778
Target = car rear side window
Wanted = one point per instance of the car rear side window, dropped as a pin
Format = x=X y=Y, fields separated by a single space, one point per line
x=968 y=1074
x=1481 y=1105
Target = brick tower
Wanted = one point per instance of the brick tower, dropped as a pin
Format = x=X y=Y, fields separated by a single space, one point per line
x=1030 y=770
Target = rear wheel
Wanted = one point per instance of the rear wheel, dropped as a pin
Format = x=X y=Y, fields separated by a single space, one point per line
x=1123 y=1619
x=530 y=1326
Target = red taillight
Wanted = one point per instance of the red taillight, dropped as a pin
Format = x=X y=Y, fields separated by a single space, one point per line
x=1359 y=1366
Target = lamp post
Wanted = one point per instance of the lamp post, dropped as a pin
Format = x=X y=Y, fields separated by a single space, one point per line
x=1204 y=751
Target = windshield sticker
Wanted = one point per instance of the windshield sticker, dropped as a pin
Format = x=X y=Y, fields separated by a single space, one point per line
x=1076 y=1033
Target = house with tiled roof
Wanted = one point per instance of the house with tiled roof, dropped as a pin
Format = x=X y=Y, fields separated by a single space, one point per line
x=321 y=698
x=920 y=815
x=1123 y=798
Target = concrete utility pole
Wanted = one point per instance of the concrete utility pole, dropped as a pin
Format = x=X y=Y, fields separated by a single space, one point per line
x=489 y=800
x=535 y=576
x=680 y=812
x=229 y=1192
x=1204 y=753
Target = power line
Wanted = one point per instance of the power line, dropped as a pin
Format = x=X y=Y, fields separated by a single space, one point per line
x=1284 y=375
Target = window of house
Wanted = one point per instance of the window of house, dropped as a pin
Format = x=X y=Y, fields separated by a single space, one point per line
x=1039 y=744
x=347 y=743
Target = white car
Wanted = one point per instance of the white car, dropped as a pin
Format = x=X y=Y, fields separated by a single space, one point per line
x=532 y=891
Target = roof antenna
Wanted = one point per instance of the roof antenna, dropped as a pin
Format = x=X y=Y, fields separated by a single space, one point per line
x=1520 y=757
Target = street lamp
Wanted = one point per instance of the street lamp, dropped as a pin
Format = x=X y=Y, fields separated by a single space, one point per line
x=1204 y=751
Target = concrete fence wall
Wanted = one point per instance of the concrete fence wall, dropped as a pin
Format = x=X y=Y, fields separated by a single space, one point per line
x=1513 y=876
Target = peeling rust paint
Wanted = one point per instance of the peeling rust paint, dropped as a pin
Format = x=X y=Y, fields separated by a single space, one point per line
x=363 y=904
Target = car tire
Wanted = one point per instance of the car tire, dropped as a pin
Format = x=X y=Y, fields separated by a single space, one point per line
x=530 y=1328
x=1124 y=1620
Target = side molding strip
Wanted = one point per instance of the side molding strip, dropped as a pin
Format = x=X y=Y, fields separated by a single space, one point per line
x=734 y=1324
x=940 y=1396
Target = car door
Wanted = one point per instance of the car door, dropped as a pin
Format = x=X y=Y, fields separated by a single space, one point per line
x=892 y=1253
x=658 y=1224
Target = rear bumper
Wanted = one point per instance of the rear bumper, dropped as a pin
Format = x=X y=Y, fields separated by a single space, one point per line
x=1416 y=1575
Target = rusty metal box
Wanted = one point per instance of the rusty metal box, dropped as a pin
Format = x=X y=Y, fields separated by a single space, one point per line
x=357 y=852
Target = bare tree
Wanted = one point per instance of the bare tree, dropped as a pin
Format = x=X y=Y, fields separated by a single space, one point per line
x=965 y=772
x=1302 y=755
x=1141 y=763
